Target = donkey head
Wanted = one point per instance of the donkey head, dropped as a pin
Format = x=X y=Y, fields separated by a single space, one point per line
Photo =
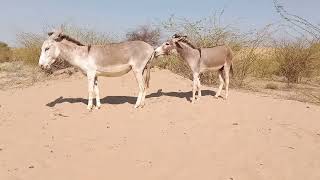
x=169 y=45
x=49 y=50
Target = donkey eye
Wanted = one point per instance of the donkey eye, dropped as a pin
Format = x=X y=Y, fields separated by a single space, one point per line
x=167 y=44
x=46 y=49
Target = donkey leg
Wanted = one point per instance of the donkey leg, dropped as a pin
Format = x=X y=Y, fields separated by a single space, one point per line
x=221 y=79
x=96 y=91
x=194 y=87
x=199 y=88
x=139 y=78
x=90 y=89
x=143 y=97
x=227 y=79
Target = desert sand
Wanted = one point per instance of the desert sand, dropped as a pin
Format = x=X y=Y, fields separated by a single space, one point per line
x=46 y=133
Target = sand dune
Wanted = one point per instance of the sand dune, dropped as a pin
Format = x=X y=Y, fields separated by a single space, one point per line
x=47 y=133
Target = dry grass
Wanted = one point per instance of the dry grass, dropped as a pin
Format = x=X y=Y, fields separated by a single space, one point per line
x=28 y=55
x=17 y=74
x=145 y=33
x=174 y=64
x=30 y=44
x=257 y=57
x=272 y=86
x=5 y=52
x=296 y=60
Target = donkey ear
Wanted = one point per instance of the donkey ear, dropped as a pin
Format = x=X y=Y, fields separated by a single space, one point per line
x=50 y=33
x=55 y=34
x=175 y=36
x=179 y=38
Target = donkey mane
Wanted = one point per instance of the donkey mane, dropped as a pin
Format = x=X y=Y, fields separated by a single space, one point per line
x=68 y=38
x=187 y=42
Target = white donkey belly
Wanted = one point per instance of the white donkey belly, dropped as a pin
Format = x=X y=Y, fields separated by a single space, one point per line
x=114 y=71
x=214 y=68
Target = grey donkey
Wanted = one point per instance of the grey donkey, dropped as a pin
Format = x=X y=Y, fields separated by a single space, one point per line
x=217 y=58
x=109 y=60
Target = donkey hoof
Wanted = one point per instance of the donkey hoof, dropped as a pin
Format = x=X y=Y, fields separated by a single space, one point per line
x=97 y=107
x=136 y=106
x=89 y=108
x=142 y=105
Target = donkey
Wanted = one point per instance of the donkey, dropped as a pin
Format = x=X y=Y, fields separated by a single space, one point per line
x=201 y=60
x=100 y=60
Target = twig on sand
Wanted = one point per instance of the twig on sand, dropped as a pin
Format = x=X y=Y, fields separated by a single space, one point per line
x=61 y=115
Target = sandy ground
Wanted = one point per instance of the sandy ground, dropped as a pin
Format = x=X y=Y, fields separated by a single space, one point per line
x=47 y=133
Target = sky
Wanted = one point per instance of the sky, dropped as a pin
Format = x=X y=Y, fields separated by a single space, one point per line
x=121 y=16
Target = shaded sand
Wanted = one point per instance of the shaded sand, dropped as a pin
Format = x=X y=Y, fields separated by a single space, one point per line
x=46 y=133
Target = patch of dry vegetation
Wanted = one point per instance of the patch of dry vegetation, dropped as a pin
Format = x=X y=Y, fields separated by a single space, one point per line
x=5 y=52
x=248 y=48
x=17 y=74
x=260 y=62
x=296 y=60
x=145 y=33
x=257 y=56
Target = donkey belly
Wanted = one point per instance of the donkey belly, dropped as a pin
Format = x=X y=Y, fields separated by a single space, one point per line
x=114 y=70
x=212 y=68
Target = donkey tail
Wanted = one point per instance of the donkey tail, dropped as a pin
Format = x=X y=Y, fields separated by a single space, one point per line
x=149 y=64
x=230 y=59
x=231 y=69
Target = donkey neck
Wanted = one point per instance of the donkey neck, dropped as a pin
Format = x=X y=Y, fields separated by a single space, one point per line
x=72 y=52
x=190 y=54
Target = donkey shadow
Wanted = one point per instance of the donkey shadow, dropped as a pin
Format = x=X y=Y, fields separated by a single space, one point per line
x=130 y=99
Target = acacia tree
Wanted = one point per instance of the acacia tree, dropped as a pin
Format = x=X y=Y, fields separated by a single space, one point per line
x=145 y=33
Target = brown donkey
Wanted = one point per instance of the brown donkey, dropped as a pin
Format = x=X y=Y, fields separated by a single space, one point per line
x=201 y=60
